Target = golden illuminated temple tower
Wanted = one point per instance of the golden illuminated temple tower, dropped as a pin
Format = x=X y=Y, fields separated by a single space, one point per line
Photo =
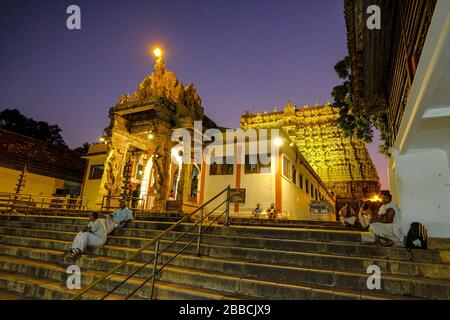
x=343 y=163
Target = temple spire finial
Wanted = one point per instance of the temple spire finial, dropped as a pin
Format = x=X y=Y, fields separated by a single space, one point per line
x=159 y=65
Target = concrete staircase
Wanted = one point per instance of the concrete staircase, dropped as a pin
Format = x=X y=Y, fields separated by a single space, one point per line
x=279 y=260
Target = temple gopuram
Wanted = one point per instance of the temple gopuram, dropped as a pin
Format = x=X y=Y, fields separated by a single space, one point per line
x=343 y=163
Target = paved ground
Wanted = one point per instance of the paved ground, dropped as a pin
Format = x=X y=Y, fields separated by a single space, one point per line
x=5 y=295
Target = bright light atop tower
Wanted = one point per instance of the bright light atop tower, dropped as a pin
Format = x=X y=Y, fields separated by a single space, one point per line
x=157 y=52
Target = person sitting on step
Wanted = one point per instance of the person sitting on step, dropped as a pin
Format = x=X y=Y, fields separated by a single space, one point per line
x=387 y=227
x=272 y=212
x=123 y=215
x=347 y=215
x=365 y=215
x=94 y=234
x=256 y=212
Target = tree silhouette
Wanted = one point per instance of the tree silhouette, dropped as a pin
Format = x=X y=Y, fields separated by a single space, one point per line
x=352 y=122
x=13 y=120
x=83 y=149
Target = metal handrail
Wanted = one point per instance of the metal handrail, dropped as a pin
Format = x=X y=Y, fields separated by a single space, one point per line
x=155 y=258
x=151 y=242
x=158 y=254
x=32 y=201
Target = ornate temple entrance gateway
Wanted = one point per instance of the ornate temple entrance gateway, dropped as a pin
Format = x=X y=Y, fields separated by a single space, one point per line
x=137 y=147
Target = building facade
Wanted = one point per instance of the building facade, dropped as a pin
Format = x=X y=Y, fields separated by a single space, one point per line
x=284 y=179
x=137 y=157
x=409 y=80
x=343 y=163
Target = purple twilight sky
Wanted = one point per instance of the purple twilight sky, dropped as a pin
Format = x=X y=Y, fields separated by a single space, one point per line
x=241 y=55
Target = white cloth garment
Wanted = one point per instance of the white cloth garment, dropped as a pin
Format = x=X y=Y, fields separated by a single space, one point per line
x=349 y=220
x=347 y=215
x=365 y=217
x=97 y=237
x=121 y=215
x=110 y=224
x=364 y=220
x=391 y=231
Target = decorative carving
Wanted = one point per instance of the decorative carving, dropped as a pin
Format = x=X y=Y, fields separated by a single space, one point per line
x=164 y=84
x=289 y=109
x=337 y=159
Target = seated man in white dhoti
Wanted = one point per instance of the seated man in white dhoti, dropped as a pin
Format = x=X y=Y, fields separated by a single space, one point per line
x=256 y=212
x=123 y=215
x=387 y=227
x=347 y=215
x=365 y=215
x=94 y=234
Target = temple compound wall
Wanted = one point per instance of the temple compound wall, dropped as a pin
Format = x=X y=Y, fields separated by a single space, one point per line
x=50 y=170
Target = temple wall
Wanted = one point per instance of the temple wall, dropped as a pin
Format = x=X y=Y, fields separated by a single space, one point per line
x=35 y=184
x=91 y=187
x=422 y=195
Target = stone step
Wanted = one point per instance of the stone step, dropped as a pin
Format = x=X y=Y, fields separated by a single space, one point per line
x=6 y=295
x=57 y=276
x=284 y=223
x=347 y=249
x=303 y=259
x=234 y=286
x=336 y=280
x=169 y=217
x=264 y=232
x=43 y=289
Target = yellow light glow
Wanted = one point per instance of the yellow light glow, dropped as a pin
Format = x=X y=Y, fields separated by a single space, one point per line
x=157 y=52
x=278 y=142
x=375 y=198
x=102 y=139
x=150 y=136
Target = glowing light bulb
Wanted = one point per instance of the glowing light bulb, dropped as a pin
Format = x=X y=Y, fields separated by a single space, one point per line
x=157 y=52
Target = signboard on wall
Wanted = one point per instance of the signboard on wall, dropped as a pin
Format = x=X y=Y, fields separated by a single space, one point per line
x=237 y=195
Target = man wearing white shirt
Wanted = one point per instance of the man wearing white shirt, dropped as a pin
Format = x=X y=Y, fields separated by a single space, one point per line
x=123 y=215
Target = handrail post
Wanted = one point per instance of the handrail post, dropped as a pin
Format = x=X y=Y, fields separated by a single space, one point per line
x=199 y=232
x=42 y=204
x=29 y=204
x=103 y=201
x=9 y=204
x=227 y=215
x=155 y=263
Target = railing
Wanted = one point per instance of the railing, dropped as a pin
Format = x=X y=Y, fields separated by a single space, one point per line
x=157 y=253
x=111 y=203
x=26 y=202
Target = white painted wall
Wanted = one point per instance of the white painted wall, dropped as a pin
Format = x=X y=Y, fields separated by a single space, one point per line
x=261 y=188
x=419 y=168
x=423 y=190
